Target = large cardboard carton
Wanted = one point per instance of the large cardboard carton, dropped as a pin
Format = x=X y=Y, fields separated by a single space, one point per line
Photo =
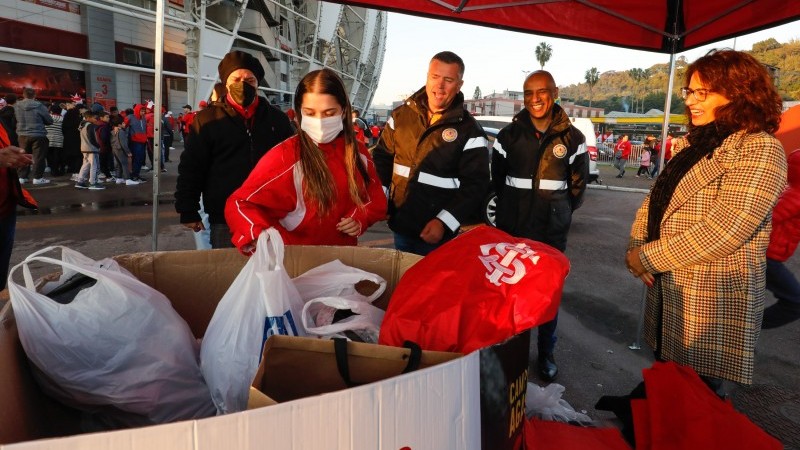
x=438 y=407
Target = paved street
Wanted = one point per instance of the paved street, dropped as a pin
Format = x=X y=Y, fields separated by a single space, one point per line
x=600 y=308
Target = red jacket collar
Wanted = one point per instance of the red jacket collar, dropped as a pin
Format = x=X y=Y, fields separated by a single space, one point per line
x=244 y=112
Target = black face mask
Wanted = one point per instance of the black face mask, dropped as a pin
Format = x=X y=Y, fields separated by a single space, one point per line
x=242 y=93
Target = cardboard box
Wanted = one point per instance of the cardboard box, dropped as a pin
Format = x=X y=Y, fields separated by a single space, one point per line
x=437 y=407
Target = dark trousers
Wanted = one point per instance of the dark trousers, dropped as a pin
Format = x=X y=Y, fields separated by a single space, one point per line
x=55 y=161
x=620 y=165
x=106 y=163
x=167 y=144
x=137 y=158
x=220 y=236
x=38 y=147
x=782 y=282
x=8 y=227
x=415 y=245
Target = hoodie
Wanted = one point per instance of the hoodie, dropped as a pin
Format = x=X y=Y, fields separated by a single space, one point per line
x=32 y=116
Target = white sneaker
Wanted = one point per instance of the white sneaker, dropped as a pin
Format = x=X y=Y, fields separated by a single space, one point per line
x=23 y=180
x=120 y=180
x=130 y=182
x=40 y=181
x=146 y=168
x=47 y=169
x=75 y=177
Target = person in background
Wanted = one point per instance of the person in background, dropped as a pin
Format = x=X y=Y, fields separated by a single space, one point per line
x=32 y=117
x=186 y=121
x=376 y=133
x=699 y=239
x=644 y=161
x=113 y=114
x=782 y=245
x=540 y=168
x=432 y=161
x=341 y=194
x=225 y=142
x=123 y=157
x=622 y=152
x=72 y=139
x=360 y=128
x=55 y=139
x=168 y=135
x=103 y=136
x=88 y=175
x=137 y=129
x=8 y=118
x=11 y=195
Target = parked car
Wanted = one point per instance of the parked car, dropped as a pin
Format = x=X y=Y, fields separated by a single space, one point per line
x=493 y=124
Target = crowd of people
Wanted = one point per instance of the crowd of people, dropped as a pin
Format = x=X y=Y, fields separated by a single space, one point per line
x=91 y=144
x=699 y=240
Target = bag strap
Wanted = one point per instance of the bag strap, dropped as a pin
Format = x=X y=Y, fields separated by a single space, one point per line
x=26 y=271
x=414 y=358
x=340 y=350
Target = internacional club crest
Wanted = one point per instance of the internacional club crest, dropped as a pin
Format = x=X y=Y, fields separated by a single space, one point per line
x=449 y=134
x=560 y=151
x=505 y=263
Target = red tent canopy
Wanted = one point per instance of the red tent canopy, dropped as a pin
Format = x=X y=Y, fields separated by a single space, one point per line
x=667 y=26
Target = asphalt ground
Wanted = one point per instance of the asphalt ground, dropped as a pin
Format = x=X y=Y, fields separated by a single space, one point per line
x=600 y=308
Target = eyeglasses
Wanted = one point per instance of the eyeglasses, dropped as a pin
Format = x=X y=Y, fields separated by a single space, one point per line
x=699 y=94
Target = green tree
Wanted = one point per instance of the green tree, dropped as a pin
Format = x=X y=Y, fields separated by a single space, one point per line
x=592 y=77
x=638 y=76
x=766 y=45
x=477 y=95
x=543 y=53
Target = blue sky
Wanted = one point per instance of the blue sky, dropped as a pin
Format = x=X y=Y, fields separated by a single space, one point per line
x=497 y=60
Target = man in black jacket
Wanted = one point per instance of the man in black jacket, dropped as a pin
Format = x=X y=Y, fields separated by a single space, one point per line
x=539 y=170
x=224 y=143
x=432 y=161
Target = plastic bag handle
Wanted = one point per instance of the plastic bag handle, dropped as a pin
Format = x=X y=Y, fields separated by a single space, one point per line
x=26 y=271
x=340 y=350
x=270 y=249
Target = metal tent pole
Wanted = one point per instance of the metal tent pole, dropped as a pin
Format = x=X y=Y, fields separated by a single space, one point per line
x=157 y=120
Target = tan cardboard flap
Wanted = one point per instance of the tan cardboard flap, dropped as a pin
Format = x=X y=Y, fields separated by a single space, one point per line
x=24 y=411
x=256 y=399
x=296 y=367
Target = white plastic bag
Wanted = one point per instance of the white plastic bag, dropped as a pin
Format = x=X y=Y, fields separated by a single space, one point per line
x=260 y=302
x=547 y=404
x=117 y=350
x=365 y=321
x=333 y=287
x=335 y=279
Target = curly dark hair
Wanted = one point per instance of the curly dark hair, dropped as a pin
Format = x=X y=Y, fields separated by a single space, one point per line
x=755 y=104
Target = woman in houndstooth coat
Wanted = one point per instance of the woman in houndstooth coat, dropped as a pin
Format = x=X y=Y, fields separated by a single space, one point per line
x=699 y=239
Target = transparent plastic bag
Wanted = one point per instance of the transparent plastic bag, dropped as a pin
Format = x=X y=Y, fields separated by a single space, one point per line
x=115 y=349
x=547 y=404
x=261 y=301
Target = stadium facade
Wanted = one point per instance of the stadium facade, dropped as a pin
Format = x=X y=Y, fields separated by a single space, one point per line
x=105 y=50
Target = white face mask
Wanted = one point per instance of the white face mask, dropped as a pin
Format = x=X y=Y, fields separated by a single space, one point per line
x=322 y=131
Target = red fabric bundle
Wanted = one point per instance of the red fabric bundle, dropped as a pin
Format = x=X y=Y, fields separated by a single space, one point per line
x=479 y=289
x=681 y=412
x=543 y=434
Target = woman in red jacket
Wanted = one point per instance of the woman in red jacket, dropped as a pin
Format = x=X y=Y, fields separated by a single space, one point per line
x=621 y=154
x=782 y=244
x=317 y=187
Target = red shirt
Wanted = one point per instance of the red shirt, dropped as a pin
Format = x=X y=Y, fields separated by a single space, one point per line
x=625 y=147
